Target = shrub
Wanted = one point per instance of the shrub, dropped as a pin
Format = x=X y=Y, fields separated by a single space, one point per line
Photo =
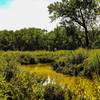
x=77 y=59
x=53 y=92
x=92 y=65
x=78 y=56
x=10 y=69
x=55 y=65
x=26 y=59
x=29 y=86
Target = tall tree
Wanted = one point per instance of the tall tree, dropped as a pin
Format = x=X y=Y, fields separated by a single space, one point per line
x=80 y=12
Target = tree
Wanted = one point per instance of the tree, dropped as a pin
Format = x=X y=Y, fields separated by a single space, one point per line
x=80 y=12
x=60 y=38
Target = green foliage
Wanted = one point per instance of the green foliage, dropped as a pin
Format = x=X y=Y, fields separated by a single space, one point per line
x=75 y=12
x=75 y=63
x=26 y=59
x=16 y=84
x=61 y=38
x=78 y=63
x=29 y=86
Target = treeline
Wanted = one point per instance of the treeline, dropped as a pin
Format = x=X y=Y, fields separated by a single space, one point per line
x=69 y=37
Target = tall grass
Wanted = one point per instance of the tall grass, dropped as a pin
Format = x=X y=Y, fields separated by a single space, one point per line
x=76 y=73
x=79 y=86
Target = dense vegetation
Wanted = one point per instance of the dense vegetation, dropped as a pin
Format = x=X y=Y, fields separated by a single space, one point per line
x=58 y=68
x=16 y=83
x=83 y=13
x=38 y=39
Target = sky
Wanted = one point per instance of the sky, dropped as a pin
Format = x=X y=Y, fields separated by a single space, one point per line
x=17 y=14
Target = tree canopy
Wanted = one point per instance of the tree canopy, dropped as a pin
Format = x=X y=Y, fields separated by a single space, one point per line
x=77 y=12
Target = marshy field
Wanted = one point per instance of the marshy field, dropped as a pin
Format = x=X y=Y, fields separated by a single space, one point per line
x=50 y=75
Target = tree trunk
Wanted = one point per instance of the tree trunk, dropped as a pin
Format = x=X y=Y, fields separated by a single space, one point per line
x=85 y=27
x=86 y=37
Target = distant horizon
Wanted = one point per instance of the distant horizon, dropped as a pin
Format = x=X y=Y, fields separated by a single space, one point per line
x=20 y=14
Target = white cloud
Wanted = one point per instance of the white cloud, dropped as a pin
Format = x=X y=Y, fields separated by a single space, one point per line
x=26 y=13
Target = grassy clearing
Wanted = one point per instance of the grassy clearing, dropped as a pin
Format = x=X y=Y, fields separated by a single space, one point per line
x=75 y=84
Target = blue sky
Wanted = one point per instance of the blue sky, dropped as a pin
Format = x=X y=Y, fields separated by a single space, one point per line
x=17 y=14
x=4 y=2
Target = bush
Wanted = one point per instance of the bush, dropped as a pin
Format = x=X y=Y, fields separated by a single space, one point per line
x=28 y=86
x=54 y=92
x=70 y=65
x=10 y=67
x=77 y=59
x=92 y=66
x=26 y=59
